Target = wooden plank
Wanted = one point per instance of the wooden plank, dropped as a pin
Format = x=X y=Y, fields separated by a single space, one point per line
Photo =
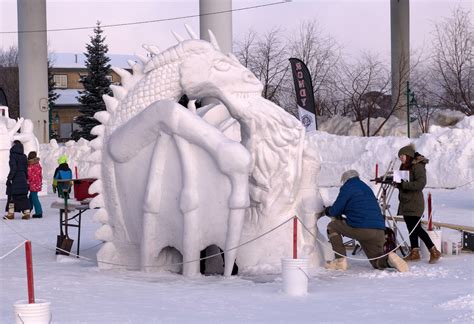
x=438 y=224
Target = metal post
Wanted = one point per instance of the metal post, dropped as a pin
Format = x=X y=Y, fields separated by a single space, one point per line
x=295 y=237
x=50 y=118
x=29 y=273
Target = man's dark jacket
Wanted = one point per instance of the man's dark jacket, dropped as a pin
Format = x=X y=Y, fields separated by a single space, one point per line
x=358 y=203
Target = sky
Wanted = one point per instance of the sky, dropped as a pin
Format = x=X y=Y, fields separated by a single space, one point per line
x=357 y=25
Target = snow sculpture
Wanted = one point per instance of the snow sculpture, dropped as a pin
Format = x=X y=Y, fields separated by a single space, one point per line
x=173 y=181
x=8 y=129
x=27 y=137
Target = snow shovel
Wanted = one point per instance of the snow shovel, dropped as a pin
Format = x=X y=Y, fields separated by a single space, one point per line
x=63 y=241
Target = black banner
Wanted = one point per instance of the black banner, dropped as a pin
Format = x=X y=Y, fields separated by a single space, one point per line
x=304 y=94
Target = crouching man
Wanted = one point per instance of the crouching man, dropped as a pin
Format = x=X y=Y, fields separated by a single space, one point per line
x=363 y=222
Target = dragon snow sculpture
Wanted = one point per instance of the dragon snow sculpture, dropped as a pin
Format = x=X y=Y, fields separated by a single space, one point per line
x=172 y=181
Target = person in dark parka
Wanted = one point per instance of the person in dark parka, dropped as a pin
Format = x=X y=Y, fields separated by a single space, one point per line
x=17 y=183
x=363 y=221
x=412 y=203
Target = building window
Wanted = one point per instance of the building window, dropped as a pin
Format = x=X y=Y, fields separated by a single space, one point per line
x=60 y=80
x=109 y=77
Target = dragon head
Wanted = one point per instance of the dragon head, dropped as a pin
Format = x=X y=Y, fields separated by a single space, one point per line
x=214 y=74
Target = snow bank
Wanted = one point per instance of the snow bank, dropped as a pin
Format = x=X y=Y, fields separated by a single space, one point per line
x=449 y=149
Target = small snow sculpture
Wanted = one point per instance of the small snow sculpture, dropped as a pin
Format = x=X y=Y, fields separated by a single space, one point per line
x=173 y=181
x=27 y=137
x=8 y=129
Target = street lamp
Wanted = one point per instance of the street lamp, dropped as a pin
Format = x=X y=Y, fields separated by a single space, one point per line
x=411 y=101
x=55 y=121
x=50 y=118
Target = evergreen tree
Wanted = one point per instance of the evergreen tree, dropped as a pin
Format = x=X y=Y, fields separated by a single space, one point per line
x=52 y=97
x=95 y=84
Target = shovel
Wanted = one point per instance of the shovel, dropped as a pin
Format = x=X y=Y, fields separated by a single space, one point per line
x=63 y=241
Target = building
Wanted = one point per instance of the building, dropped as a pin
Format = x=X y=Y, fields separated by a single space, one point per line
x=68 y=69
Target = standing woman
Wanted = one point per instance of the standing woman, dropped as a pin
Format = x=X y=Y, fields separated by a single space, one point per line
x=412 y=202
x=17 y=183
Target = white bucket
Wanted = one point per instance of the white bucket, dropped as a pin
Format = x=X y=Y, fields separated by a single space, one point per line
x=450 y=247
x=295 y=276
x=435 y=237
x=37 y=313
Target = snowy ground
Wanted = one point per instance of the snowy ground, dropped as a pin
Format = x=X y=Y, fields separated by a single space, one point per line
x=80 y=293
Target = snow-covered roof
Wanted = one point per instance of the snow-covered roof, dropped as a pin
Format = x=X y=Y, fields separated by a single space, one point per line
x=77 y=60
x=67 y=97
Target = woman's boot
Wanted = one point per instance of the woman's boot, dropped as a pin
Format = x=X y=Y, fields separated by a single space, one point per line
x=434 y=255
x=26 y=214
x=414 y=255
x=9 y=216
x=11 y=212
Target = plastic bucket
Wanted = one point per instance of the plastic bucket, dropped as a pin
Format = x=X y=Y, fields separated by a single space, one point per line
x=295 y=277
x=435 y=237
x=37 y=313
x=451 y=247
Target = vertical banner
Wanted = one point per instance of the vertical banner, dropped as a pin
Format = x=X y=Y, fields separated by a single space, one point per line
x=304 y=94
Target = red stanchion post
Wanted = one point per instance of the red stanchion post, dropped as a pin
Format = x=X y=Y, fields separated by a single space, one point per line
x=29 y=273
x=75 y=171
x=295 y=237
x=430 y=215
x=376 y=170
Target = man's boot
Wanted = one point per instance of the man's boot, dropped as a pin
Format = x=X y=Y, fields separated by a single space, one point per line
x=434 y=255
x=26 y=214
x=337 y=264
x=414 y=255
x=394 y=261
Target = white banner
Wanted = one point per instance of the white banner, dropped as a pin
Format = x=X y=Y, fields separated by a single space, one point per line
x=307 y=119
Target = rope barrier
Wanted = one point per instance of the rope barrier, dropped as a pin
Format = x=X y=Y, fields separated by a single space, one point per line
x=357 y=259
x=13 y=250
x=215 y=254
x=150 y=266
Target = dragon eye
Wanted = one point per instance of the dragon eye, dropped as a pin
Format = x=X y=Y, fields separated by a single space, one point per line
x=222 y=65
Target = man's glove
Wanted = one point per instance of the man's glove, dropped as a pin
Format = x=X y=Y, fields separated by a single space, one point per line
x=400 y=185
x=326 y=211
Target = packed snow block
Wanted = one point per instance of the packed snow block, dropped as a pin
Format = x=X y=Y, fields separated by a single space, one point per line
x=468 y=241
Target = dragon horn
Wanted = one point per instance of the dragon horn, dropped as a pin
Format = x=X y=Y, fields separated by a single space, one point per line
x=190 y=32
x=151 y=48
x=233 y=57
x=178 y=37
x=213 y=40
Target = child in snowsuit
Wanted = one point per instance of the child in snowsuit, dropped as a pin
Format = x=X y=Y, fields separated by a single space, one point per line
x=35 y=180
x=62 y=172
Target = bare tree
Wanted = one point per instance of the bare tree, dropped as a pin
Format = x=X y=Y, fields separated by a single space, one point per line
x=246 y=49
x=453 y=61
x=427 y=103
x=364 y=86
x=9 y=81
x=321 y=54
